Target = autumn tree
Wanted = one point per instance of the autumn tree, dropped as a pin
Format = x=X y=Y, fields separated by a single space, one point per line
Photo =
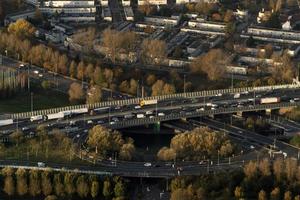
x=75 y=92
x=22 y=187
x=238 y=192
x=287 y=195
x=69 y=183
x=58 y=185
x=162 y=88
x=283 y=69
x=250 y=170
x=212 y=63
x=21 y=28
x=107 y=189
x=34 y=183
x=72 y=69
x=9 y=183
x=262 y=195
x=153 y=51
x=264 y=167
x=46 y=183
x=94 y=94
x=275 y=194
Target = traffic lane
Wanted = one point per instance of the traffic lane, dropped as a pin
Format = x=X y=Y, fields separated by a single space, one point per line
x=174 y=108
x=290 y=150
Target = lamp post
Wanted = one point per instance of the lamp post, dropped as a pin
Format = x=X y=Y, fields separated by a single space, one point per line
x=31 y=101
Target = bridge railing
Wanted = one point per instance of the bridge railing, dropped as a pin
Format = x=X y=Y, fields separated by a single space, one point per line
x=160 y=98
x=174 y=116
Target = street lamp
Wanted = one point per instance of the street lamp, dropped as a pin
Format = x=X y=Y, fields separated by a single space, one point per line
x=31 y=100
x=218 y=157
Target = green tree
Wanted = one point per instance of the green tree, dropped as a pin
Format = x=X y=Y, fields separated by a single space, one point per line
x=107 y=190
x=82 y=187
x=119 y=189
x=95 y=189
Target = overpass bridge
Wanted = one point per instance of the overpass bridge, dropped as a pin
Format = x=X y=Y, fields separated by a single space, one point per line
x=135 y=101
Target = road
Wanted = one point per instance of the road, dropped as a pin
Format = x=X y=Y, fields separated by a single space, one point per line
x=61 y=83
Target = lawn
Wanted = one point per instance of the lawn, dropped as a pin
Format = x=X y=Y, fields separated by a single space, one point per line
x=41 y=100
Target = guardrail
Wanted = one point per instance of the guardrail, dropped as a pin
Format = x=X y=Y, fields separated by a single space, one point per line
x=174 y=116
x=160 y=98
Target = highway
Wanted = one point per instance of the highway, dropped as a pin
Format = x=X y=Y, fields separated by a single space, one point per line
x=115 y=116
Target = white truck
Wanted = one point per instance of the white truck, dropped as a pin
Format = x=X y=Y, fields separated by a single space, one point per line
x=59 y=115
x=6 y=122
x=41 y=164
x=268 y=100
x=36 y=118
x=148 y=102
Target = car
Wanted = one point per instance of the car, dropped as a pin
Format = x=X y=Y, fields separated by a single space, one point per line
x=118 y=108
x=149 y=112
x=137 y=107
x=147 y=164
x=219 y=95
x=240 y=131
x=100 y=122
x=25 y=128
x=115 y=119
x=112 y=122
x=252 y=147
x=151 y=116
x=90 y=122
x=21 y=65
x=41 y=75
x=161 y=114
x=78 y=135
x=86 y=130
x=292 y=101
x=36 y=71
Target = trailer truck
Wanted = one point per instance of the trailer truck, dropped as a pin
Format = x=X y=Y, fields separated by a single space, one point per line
x=268 y=100
x=148 y=102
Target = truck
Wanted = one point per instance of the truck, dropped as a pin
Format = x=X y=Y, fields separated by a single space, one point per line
x=148 y=102
x=6 y=122
x=59 y=115
x=79 y=111
x=36 y=118
x=41 y=164
x=268 y=100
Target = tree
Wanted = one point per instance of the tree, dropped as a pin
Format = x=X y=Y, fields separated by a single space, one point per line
x=262 y=195
x=250 y=170
x=21 y=28
x=107 y=189
x=287 y=195
x=46 y=183
x=275 y=194
x=295 y=140
x=127 y=151
x=82 y=187
x=80 y=70
x=238 y=192
x=94 y=95
x=38 y=15
x=297 y=197
x=166 y=154
x=228 y=17
x=274 y=20
x=51 y=197
x=119 y=189
x=69 y=184
x=58 y=186
x=153 y=51
x=34 y=183
x=72 y=69
x=17 y=137
x=63 y=64
x=9 y=184
x=278 y=168
x=46 y=85
x=98 y=76
x=264 y=167
x=180 y=194
x=290 y=169
x=211 y=63
x=95 y=189
x=151 y=78
x=89 y=72
x=22 y=186
x=162 y=88
x=75 y=92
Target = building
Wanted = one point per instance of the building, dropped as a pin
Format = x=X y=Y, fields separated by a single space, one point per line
x=106 y=14
x=152 y=2
x=104 y=3
x=195 y=1
x=165 y=21
x=68 y=3
x=19 y=15
x=205 y=27
x=272 y=35
x=129 y=16
x=125 y=2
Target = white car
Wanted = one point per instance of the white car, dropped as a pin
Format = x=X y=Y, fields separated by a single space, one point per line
x=161 y=114
x=111 y=123
x=36 y=71
x=147 y=164
x=25 y=128
x=78 y=135
x=137 y=107
x=149 y=112
x=41 y=75
x=89 y=122
x=252 y=147
x=115 y=119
